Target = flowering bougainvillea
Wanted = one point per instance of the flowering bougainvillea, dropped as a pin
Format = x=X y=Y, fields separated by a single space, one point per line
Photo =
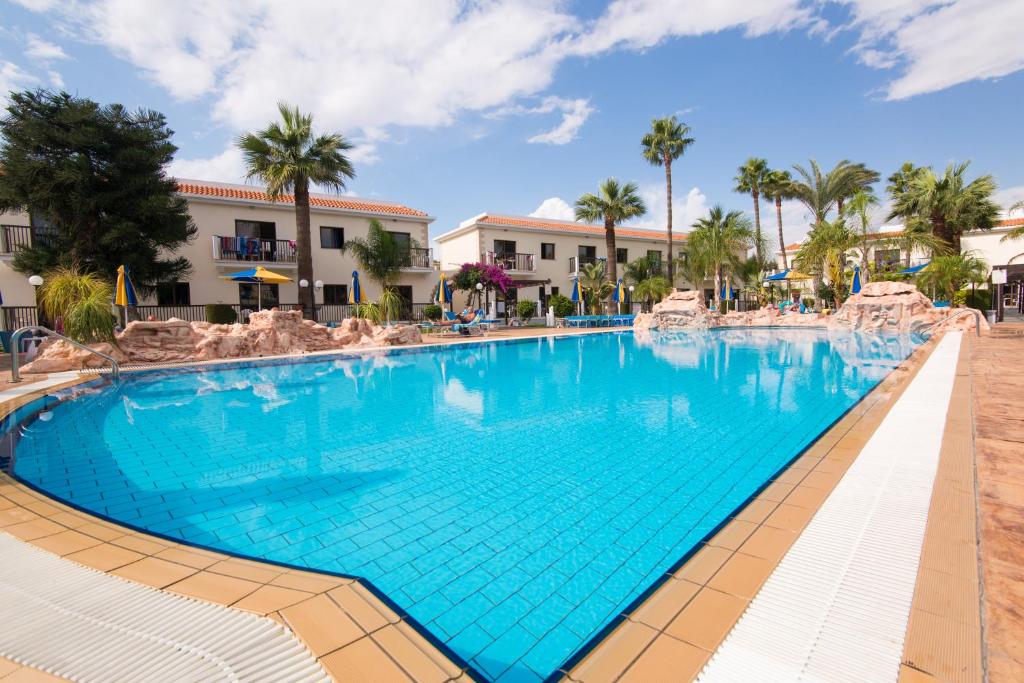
x=491 y=276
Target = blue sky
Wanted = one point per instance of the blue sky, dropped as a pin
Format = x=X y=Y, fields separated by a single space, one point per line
x=459 y=108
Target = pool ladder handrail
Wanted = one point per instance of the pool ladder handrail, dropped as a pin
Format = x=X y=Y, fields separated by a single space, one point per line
x=951 y=316
x=21 y=331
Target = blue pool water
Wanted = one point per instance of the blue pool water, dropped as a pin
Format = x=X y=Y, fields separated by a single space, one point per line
x=513 y=498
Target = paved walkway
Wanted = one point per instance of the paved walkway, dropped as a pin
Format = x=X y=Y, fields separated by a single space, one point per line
x=997 y=367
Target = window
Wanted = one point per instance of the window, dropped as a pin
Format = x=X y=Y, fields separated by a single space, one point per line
x=504 y=247
x=335 y=294
x=554 y=291
x=402 y=239
x=886 y=259
x=263 y=230
x=621 y=255
x=173 y=294
x=332 y=238
x=252 y=298
x=655 y=256
x=547 y=250
x=405 y=294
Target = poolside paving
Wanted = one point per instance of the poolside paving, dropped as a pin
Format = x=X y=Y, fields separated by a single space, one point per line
x=998 y=401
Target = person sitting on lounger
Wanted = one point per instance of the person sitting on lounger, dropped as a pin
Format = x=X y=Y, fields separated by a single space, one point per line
x=466 y=316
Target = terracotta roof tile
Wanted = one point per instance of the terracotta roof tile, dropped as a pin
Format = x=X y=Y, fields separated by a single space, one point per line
x=1010 y=222
x=529 y=222
x=190 y=187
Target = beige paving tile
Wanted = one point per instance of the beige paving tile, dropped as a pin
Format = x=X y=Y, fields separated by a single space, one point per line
x=662 y=607
x=218 y=588
x=707 y=619
x=154 y=572
x=16 y=515
x=363 y=607
x=910 y=675
x=193 y=558
x=742 y=575
x=29 y=675
x=105 y=557
x=777 y=491
x=756 y=511
x=769 y=543
x=306 y=581
x=822 y=480
x=808 y=497
x=667 y=659
x=7 y=666
x=616 y=653
x=733 y=534
x=36 y=528
x=700 y=568
x=363 y=662
x=66 y=542
x=321 y=624
x=417 y=658
x=43 y=508
x=101 y=530
x=267 y=599
x=790 y=517
x=245 y=569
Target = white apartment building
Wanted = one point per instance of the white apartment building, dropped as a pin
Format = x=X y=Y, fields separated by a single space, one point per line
x=239 y=227
x=543 y=255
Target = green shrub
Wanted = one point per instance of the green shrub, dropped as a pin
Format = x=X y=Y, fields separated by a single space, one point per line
x=370 y=310
x=220 y=314
x=525 y=309
x=980 y=299
x=81 y=301
x=562 y=304
x=960 y=298
x=432 y=312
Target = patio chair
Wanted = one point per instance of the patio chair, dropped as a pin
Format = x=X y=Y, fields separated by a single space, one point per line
x=474 y=328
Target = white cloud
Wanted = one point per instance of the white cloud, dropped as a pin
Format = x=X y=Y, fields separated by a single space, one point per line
x=686 y=208
x=227 y=166
x=574 y=114
x=555 y=208
x=43 y=50
x=13 y=77
x=56 y=80
x=1008 y=196
x=938 y=44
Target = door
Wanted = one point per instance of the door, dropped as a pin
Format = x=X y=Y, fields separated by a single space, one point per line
x=405 y=294
x=264 y=298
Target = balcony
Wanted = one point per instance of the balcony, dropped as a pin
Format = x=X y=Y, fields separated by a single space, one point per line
x=418 y=258
x=13 y=238
x=231 y=250
x=522 y=263
x=577 y=262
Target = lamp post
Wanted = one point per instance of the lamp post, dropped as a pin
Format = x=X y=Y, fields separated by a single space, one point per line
x=304 y=284
x=631 y=290
x=479 y=293
x=36 y=281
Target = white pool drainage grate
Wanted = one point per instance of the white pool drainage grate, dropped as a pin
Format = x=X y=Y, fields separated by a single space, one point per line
x=85 y=625
x=836 y=607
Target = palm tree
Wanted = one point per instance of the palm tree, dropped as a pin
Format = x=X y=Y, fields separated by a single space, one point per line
x=822 y=192
x=640 y=269
x=286 y=157
x=693 y=267
x=916 y=236
x=778 y=185
x=951 y=204
x=664 y=144
x=652 y=290
x=823 y=253
x=718 y=241
x=859 y=210
x=752 y=273
x=1018 y=232
x=615 y=203
x=596 y=287
x=749 y=179
x=381 y=256
x=950 y=273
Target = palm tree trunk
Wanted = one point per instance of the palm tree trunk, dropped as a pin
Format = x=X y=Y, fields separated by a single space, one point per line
x=610 y=269
x=304 y=250
x=718 y=288
x=668 y=188
x=839 y=207
x=782 y=241
x=757 y=224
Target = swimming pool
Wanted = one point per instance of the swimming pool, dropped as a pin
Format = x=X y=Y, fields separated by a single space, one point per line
x=512 y=497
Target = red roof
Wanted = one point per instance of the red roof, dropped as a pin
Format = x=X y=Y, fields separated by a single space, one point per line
x=191 y=187
x=529 y=222
x=1010 y=222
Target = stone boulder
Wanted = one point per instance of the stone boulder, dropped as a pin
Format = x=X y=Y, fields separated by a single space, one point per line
x=894 y=307
x=678 y=310
x=268 y=333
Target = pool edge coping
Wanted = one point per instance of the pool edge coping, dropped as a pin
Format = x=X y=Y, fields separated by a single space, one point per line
x=466 y=670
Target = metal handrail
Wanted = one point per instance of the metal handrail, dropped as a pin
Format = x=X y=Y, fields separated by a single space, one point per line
x=951 y=316
x=20 y=332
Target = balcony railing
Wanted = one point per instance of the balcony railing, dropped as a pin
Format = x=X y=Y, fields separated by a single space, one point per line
x=254 y=249
x=509 y=261
x=577 y=262
x=14 y=237
x=418 y=258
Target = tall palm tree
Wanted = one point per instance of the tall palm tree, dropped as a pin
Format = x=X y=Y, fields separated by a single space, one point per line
x=778 y=185
x=951 y=204
x=851 y=178
x=380 y=256
x=666 y=142
x=749 y=178
x=718 y=241
x=950 y=273
x=858 y=211
x=614 y=204
x=821 y=192
x=286 y=156
x=596 y=287
x=823 y=254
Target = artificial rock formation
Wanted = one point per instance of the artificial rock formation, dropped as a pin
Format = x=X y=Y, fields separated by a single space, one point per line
x=686 y=310
x=894 y=307
x=268 y=333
